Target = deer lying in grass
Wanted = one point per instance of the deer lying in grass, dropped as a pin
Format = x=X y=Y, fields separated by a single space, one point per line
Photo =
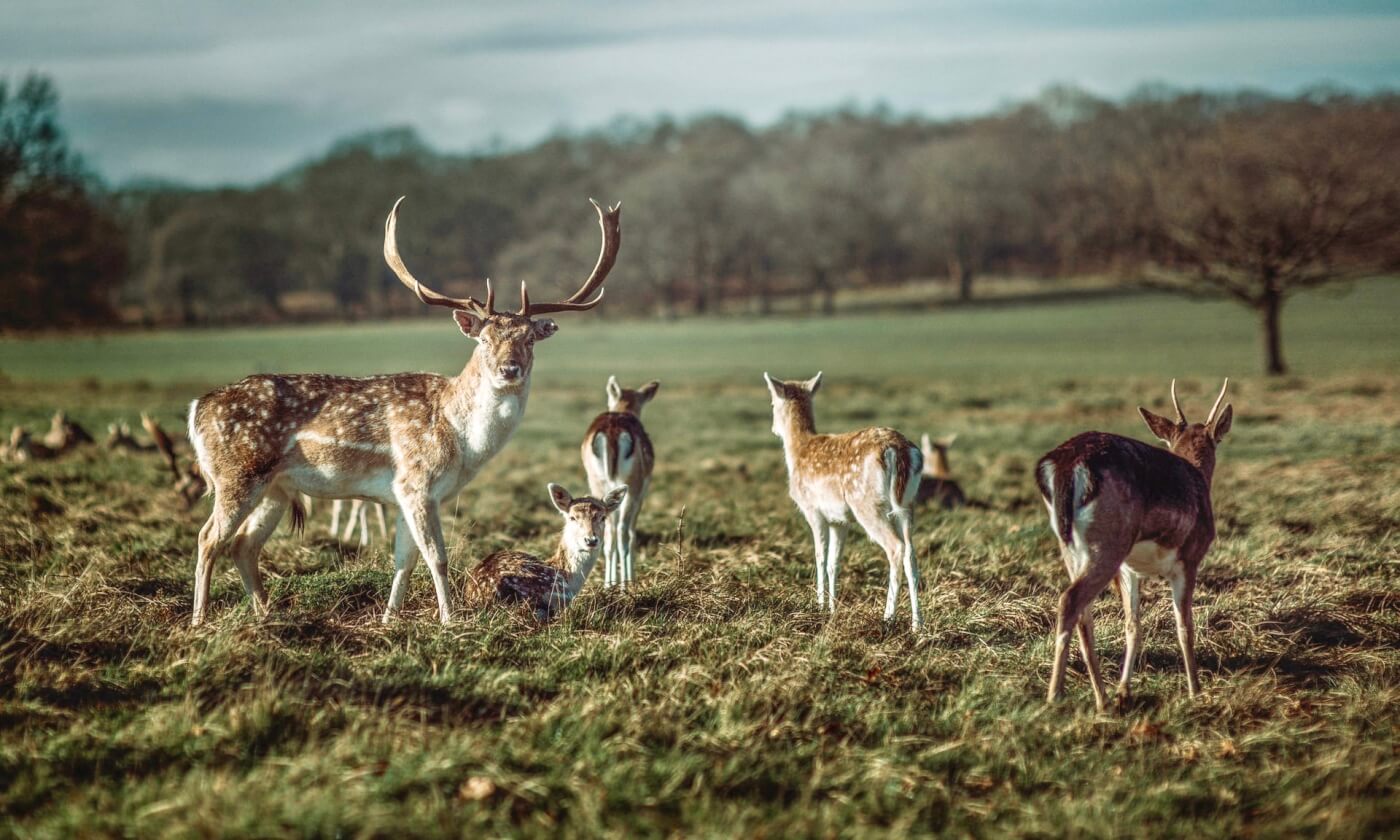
x=617 y=453
x=409 y=439
x=871 y=476
x=547 y=587
x=358 y=515
x=937 y=486
x=119 y=437
x=22 y=448
x=1123 y=510
x=65 y=433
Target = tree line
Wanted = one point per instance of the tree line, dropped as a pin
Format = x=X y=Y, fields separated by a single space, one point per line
x=1242 y=195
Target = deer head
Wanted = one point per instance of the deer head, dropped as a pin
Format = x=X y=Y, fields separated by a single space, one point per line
x=507 y=339
x=627 y=400
x=584 y=518
x=1195 y=442
x=935 y=452
x=792 y=403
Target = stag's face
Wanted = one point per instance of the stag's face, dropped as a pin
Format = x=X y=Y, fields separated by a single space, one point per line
x=505 y=344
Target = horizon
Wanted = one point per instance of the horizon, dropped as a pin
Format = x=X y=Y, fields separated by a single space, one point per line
x=239 y=94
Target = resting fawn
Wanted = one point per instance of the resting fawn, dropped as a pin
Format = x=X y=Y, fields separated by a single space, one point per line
x=1123 y=510
x=871 y=475
x=617 y=453
x=938 y=485
x=547 y=587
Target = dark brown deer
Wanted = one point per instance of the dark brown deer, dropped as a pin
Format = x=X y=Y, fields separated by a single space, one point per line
x=1123 y=510
x=409 y=439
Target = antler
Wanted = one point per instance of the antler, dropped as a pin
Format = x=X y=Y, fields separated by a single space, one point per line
x=610 y=222
x=428 y=296
x=1218 y=400
x=1180 y=415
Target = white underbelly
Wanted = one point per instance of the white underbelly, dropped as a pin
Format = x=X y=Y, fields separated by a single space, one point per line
x=1152 y=560
x=375 y=485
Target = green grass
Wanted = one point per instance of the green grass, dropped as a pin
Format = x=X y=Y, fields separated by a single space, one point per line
x=716 y=700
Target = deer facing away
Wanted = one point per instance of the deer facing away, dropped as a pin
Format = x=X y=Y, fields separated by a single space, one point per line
x=546 y=587
x=410 y=439
x=617 y=453
x=871 y=476
x=1123 y=510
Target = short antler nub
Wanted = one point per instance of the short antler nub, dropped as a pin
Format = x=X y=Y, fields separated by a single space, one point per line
x=1218 y=400
x=1180 y=415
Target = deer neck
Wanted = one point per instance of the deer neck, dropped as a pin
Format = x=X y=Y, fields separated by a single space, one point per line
x=484 y=414
x=576 y=566
x=798 y=426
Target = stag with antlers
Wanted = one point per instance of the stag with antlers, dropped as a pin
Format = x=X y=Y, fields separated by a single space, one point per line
x=1123 y=510
x=410 y=440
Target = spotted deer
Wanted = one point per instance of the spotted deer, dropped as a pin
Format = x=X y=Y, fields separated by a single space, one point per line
x=617 y=453
x=871 y=476
x=410 y=439
x=937 y=485
x=1123 y=510
x=547 y=587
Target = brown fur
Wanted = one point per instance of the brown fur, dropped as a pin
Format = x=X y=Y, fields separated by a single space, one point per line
x=938 y=485
x=1146 y=500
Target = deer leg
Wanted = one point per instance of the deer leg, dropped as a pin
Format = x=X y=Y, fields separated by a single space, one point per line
x=911 y=565
x=405 y=559
x=1096 y=573
x=352 y=518
x=336 y=505
x=249 y=542
x=882 y=532
x=364 y=524
x=231 y=507
x=1130 y=588
x=630 y=507
x=383 y=526
x=610 y=562
x=420 y=512
x=1091 y=656
x=835 y=541
x=818 y=526
x=1185 y=626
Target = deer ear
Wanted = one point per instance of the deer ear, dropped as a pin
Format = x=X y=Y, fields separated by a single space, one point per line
x=469 y=323
x=614 y=499
x=775 y=387
x=925 y=444
x=1164 y=429
x=814 y=383
x=544 y=328
x=1221 y=425
x=560 y=497
x=947 y=440
x=648 y=391
x=614 y=390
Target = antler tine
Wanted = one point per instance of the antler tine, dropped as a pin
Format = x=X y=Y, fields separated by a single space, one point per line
x=425 y=294
x=609 y=221
x=1218 y=400
x=1180 y=415
x=524 y=299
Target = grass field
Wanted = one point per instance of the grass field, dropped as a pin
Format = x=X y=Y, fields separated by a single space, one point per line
x=715 y=700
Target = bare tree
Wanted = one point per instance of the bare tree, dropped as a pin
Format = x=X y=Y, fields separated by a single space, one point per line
x=1267 y=202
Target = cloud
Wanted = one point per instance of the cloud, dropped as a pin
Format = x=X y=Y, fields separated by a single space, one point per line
x=238 y=91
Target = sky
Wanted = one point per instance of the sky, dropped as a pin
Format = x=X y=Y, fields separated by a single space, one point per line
x=210 y=92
